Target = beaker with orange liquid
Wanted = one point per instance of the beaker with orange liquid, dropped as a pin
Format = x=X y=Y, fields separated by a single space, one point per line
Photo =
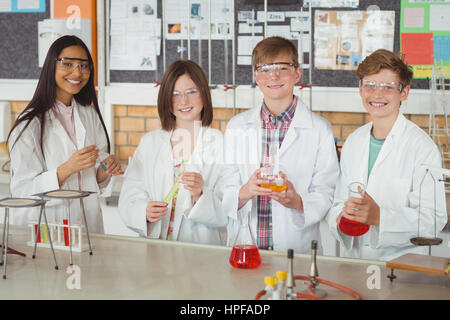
x=245 y=253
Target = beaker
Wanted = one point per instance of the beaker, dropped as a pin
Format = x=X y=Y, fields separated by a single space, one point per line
x=245 y=253
x=350 y=227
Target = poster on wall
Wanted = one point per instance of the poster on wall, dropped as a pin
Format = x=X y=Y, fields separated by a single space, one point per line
x=135 y=35
x=425 y=36
x=193 y=15
x=342 y=39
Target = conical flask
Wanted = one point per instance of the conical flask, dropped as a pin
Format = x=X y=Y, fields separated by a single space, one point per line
x=245 y=253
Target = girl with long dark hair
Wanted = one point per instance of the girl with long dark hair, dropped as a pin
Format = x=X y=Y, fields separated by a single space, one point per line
x=58 y=141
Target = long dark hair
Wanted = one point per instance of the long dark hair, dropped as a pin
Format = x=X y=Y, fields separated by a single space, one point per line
x=45 y=95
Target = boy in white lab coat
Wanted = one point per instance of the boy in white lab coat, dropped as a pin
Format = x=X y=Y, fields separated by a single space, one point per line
x=307 y=157
x=387 y=155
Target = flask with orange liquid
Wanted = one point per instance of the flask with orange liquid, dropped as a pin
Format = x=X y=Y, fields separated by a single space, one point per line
x=276 y=183
x=271 y=169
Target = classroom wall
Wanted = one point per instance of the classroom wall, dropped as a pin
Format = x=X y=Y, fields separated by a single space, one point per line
x=132 y=122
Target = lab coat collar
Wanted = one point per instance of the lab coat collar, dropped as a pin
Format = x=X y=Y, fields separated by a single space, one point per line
x=62 y=108
x=392 y=140
x=80 y=130
x=302 y=117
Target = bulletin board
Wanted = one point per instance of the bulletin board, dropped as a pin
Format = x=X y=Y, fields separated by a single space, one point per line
x=243 y=73
x=20 y=33
x=19 y=43
x=425 y=35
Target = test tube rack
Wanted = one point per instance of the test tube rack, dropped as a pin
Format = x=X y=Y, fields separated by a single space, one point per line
x=56 y=231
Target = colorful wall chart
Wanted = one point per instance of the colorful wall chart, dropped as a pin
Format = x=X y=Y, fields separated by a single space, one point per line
x=425 y=35
x=342 y=39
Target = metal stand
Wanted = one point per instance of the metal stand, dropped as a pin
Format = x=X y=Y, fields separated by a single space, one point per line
x=16 y=203
x=86 y=225
x=5 y=241
x=392 y=276
x=48 y=233
x=73 y=194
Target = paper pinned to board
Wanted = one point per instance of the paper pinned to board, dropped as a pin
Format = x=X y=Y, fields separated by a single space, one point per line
x=248 y=28
x=439 y=18
x=246 y=44
x=244 y=60
x=413 y=17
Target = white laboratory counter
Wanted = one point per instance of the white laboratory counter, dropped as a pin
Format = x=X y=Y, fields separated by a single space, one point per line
x=137 y=268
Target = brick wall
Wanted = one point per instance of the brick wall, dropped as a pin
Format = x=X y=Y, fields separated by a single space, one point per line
x=132 y=122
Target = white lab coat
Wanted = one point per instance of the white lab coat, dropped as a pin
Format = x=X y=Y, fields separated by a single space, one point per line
x=149 y=177
x=394 y=185
x=308 y=158
x=33 y=173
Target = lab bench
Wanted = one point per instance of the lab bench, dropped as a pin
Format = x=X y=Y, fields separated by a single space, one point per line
x=138 y=268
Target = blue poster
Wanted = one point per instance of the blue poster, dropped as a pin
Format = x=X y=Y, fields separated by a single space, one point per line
x=23 y=6
x=441 y=49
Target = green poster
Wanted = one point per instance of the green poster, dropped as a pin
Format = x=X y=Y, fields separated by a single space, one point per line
x=425 y=35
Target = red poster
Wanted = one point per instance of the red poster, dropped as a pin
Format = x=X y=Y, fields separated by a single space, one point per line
x=418 y=48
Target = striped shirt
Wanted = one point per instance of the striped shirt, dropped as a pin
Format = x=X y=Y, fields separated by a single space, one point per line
x=273 y=131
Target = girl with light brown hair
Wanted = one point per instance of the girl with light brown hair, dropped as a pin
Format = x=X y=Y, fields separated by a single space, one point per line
x=169 y=187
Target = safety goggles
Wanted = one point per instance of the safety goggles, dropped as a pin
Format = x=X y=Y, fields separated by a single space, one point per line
x=70 y=64
x=281 y=69
x=190 y=94
x=385 y=87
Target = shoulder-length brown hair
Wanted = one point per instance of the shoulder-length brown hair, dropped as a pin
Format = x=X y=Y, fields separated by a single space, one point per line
x=173 y=72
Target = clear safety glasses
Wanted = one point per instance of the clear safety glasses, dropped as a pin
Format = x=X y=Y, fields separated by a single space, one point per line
x=385 y=87
x=190 y=94
x=281 y=69
x=70 y=64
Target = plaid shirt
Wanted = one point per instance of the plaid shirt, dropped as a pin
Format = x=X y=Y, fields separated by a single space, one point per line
x=272 y=128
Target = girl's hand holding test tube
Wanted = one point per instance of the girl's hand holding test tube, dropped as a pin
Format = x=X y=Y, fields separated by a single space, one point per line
x=111 y=165
x=80 y=160
x=155 y=210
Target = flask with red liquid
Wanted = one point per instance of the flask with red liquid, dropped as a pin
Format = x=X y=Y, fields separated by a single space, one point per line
x=350 y=227
x=245 y=253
